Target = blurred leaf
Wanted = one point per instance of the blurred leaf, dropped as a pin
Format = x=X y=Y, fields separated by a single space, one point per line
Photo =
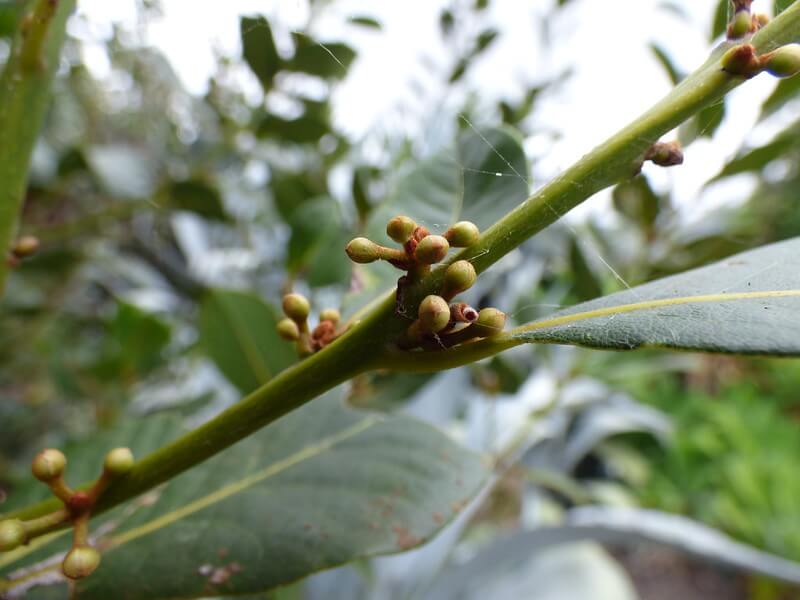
x=258 y=49
x=745 y=304
x=485 y=39
x=484 y=178
x=197 y=196
x=136 y=340
x=459 y=70
x=292 y=190
x=636 y=200
x=778 y=6
x=446 y=22
x=481 y=4
x=303 y=130
x=513 y=115
x=674 y=75
x=365 y=21
x=703 y=124
x=756 y=159
x=122 y=171
x=720 y=21
x=10 y=11
x=237 y=330
x=786 y=90
x=321 y=487
x=329 y=60
x=317 y=243
x=360 y=191
x=386 y=391
x=584 y=283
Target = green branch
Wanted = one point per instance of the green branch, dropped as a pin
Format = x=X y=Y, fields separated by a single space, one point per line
x=368 y=344
x=24 y=98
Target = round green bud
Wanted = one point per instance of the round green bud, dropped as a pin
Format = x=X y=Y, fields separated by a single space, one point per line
x=48 y=465
x=434 y=314
x=288 y=330
x=431 y=249
x=12 y=534
x=490 y=322
x=740 y=26
x=784 y=62
x=119 y=461
x=458 y=277
x=400 y=228
x=330 y=314
x=25 y=246
x=296 y=307
x=462 y=234
x=741 y=60
x=80 y=562
x=362 y=251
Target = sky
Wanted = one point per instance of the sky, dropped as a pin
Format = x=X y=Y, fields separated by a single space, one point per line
x=615 y=76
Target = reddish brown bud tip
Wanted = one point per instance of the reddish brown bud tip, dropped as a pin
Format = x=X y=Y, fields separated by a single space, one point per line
x=434 y=314
x=79 y=503
x=461 y=312
x=665 y=154
x=431 y=249
x=741 y=61
x=48 y=465
x=400 y=228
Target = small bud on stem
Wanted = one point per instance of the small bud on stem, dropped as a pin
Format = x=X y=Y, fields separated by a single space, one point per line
x=400 y=228
x=783 y=62
x=49 y=464
x=431 y=249
x=665 y=154
x=288 y=330
x=80 y=562
x=458 y=277
x=12 y=534
x=330 y=314
x=462 y=234
x=118 y=462
x=434 y=314
x=296 y=307
x=741 y=61
x=25 y=246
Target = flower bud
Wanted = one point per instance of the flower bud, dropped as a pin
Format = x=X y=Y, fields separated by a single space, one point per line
x=458 y=277
x=461 y=312
x=362 y=251
x=490 y=322
x=25 y=246
x=296 y=307
x=783 y=62
x=431 y=249
x=288 y=330
x=434 y=314
x=400 y=228
x=119 y=461
x=330 y=314
x=80 y=562
x=12 y=534
x=741 y=24
x=48 y=465
x=462 y=234
x=741 y=60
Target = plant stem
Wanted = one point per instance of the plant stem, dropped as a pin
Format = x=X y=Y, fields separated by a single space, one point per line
x=24 y=97
x=367 y=344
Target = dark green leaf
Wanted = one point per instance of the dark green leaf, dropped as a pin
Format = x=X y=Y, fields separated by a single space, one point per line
x=786 y=90
x=485 y=39
x=704 y=123
x=9 y=15
x=365 y=22
x=329 y=60
x=321 y=487
x=636 y=200
x=758 y=158
x=292 y=190
x=237 y=330
x=317 y=243
x=303 y=130
x=675 y=76
x=258 y=48
x=778 y=6
x=197 y=196
x=584 y=283
x=720 y=21
x=745 y=304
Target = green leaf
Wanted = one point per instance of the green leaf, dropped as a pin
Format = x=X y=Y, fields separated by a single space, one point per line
x=758 y=158
x=703 y=124
x=323 y=486
x=258 y=48
x=675 y=76
x=778 y=6
x=484 y=177
x=237 y=330
x=317 y=243
x=720 y=21
x=745 y=304
x=786 y=90
x=365 y=21
x=636 y=200
x=198 y=196
x=329 y=60
x=585 y=285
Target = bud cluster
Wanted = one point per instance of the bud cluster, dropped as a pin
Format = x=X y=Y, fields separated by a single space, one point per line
x=743 y=22
x=294 y=327
x=48 y=467
x=743 y=61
